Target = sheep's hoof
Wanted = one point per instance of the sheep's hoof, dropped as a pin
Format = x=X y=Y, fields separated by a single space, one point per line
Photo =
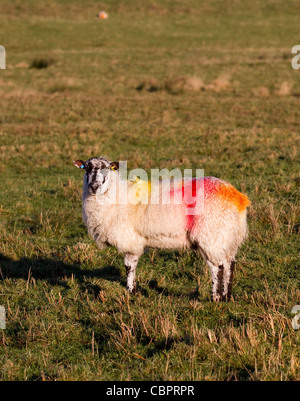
x=132 y=290
x=220 y=298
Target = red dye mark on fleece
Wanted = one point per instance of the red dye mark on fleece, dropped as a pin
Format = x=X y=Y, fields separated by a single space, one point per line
x=189 y=192
x=211 y=187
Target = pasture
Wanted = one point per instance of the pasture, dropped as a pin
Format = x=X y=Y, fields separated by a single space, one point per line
x=161 y=84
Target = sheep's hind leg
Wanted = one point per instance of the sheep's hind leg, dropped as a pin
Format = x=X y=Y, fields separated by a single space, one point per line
x=217 y=276
x=228 y=278
x=131 y=262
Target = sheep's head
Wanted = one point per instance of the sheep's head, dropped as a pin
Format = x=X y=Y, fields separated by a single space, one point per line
x=97 y=173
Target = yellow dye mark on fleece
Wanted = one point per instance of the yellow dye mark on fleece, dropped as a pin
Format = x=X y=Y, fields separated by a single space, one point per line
x=140 y=190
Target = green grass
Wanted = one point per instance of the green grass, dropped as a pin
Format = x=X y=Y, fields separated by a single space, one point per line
x=68 y=314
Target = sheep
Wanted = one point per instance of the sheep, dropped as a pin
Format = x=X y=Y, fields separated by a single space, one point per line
x=216 y=227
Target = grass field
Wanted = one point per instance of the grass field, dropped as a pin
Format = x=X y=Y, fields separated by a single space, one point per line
x=162 y=84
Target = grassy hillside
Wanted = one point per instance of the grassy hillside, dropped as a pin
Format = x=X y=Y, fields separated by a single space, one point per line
x=162 y=84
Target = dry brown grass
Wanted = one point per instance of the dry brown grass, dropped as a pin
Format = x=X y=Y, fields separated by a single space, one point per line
x=221 y=83
x=262 y=91
x=285 y=88
x=185 y=84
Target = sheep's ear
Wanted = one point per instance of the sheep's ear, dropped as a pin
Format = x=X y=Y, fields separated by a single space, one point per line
x=114 y=166
x=79 y=163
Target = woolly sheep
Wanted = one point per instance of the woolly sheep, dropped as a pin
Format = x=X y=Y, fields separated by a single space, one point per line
x=216 y=228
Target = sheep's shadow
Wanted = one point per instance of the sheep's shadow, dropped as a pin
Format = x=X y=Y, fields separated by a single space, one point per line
x=56 y=272
x=153 y=285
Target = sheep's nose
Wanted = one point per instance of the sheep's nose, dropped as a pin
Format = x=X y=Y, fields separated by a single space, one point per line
x=93 y=187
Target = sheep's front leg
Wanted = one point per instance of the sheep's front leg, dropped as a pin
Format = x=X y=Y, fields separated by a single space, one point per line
x=131 y=262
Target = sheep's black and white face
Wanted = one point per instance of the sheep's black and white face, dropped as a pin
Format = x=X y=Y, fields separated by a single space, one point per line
x=97 y=173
